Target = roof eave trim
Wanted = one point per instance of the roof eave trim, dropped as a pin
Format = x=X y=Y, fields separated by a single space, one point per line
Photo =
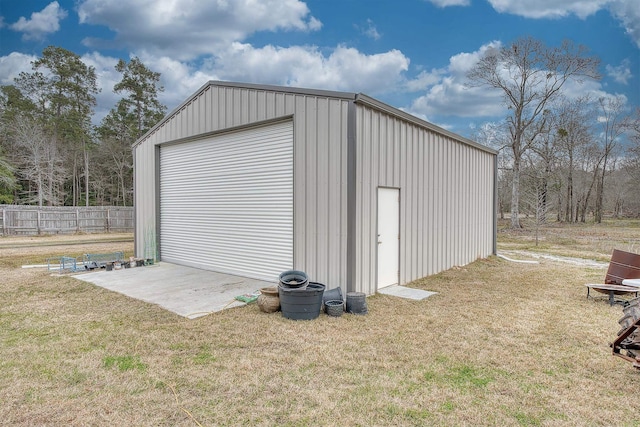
x=283 y=89
x=381 y=106
x=170 y=114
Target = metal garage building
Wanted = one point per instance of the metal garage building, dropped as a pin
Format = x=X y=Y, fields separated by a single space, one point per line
x=254 y=180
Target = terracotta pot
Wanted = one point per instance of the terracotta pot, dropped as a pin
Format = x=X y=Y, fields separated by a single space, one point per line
x=268 y=300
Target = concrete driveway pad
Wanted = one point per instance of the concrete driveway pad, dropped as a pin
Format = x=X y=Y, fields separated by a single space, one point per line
x=187 y=291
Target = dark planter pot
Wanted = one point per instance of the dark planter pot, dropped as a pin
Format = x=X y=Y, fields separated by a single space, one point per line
x=301 y=304
x=334 y=294
x=334 y=308
x=357 y=303
x=294 y=279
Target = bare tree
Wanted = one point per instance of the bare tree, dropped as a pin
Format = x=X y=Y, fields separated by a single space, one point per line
x=63 y=88
x=547 y=152
x=632 y=170
x=495 y=135
x=591 y=159
x=39 y=158
x=573 y=131
x=530 y=75
x=535 y=197
x=613 y=124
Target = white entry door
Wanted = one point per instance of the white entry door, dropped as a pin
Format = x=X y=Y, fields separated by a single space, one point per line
x=388 y=236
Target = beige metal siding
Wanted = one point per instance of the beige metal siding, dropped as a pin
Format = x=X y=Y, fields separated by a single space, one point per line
x=446 y=196
x=320 y=158
x=343 y=151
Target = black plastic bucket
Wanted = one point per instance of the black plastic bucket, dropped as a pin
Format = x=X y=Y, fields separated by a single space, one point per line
x=294 y=279
x=301 y=304
x=357 y=303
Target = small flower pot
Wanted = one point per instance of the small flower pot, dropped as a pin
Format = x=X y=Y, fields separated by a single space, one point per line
x=334 y=308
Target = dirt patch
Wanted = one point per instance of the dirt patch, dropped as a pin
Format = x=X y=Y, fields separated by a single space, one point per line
x=528 y=255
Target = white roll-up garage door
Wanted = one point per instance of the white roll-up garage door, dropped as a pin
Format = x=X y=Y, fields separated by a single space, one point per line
x=226 y=202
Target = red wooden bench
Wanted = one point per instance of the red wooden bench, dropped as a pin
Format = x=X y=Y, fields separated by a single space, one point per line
x=623 y=265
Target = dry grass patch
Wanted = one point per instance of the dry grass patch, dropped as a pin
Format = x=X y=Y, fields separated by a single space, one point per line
x=589 y=241
x=16 y=251
x=500 y=344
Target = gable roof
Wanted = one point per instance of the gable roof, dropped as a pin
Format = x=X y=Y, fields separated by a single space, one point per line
x=358 y=98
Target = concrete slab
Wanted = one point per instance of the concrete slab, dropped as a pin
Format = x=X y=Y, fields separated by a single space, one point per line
x=404 y=292
x=189 y=292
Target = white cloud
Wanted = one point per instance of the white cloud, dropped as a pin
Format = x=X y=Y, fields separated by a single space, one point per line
x=446 y=3
x=446 y=92
x=425 y=79
x=41 y=23
x=577 y=88
x=12 y=64
x=628 y=12
x=549 y=8
x=185 y=29
x=344 y=69
x=371 y=31
x=447 y=95
x=178 y=79
x=621 y=73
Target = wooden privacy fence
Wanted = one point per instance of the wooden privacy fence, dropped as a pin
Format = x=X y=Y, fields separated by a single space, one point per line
x=30 y=220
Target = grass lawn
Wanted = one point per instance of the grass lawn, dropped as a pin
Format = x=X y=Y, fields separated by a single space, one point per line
x=502 y=343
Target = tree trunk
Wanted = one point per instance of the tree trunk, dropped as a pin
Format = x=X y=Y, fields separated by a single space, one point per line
x=40 y=189
x=86 y=175
x=570 y=202
x=543 y=198
x=600 y=192
x=515 y=195
x=124 y=193
x=74 y=181
x=599 y=198
x=559 y=210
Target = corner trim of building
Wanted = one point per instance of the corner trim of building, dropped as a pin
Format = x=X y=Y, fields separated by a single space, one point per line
x=157 y=201
x=351 y=197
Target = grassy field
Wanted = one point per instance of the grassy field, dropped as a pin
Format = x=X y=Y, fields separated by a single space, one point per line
x=501 y=343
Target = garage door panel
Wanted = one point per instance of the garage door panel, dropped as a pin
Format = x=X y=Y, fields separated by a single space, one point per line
x=226 y=202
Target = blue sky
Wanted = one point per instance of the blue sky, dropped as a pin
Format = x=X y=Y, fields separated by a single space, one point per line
x=412 y=54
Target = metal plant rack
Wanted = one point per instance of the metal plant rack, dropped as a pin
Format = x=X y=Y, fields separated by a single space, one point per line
x=63 y=264
x=92 y=261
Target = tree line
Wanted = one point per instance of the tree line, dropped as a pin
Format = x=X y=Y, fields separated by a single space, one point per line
x=563 y=156
x=51 y=154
